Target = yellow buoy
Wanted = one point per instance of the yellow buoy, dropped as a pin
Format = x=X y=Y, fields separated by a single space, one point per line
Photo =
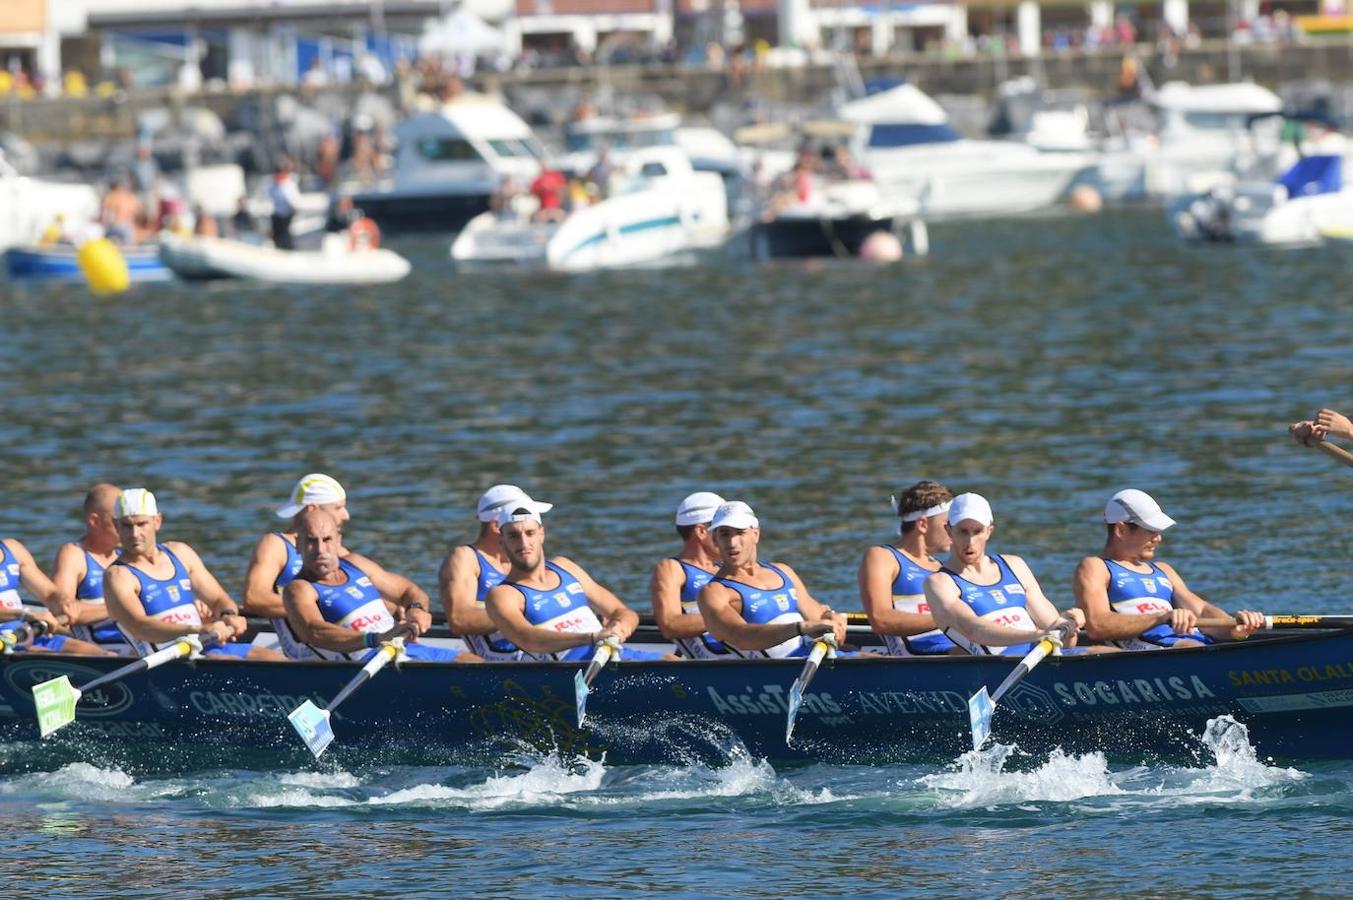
x=105 y=269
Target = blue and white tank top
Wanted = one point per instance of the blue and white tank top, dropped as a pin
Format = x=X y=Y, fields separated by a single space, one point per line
x=561 y=608
x=909 y=597
x=493 y=647
x=1146 y=594
x=705 y=645
x=1003 y=603
x=287 y=640
x=90 y=590
x=9 y=581
x=770 y=606
x=169 y=600
x=356 y=603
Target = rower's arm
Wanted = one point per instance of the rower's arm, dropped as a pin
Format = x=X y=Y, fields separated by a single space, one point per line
x=71 y=566
x=811 y=608
x=727 y=624
x=122 y=594
x=413 y=603
x=878 y=570
x=265 y=565
x=1250 y=620
x=32 y=578
x=1090 y=587
x=507 y=609
x=615 y=616
x=949 y=610
x=1041 y=610
x=208 y=590
x=301 y=602
x=664 y=592
x=457 y=588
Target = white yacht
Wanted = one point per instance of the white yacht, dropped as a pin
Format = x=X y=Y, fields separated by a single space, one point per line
x=833 y=218
x=1197 y=133
x=906 y=142
x=661 y=207
x=29 y=205
x=448 y=164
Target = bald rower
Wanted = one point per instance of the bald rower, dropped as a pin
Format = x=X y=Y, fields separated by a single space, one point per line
x=674 y=589
x=552 y=609
x=153 y=590
x=760 y=609
x=79 y=570
x=991 y=605
x=340 y=604
x=275 y=560
x=470 y=571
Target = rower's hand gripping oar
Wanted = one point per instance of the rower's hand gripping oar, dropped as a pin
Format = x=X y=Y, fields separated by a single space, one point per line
x=55 y=700
x=313 y=723
x=11 y=638
x=824 y=646
x=982 y=706
x=607 y=650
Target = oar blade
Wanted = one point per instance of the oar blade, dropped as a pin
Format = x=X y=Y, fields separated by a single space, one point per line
x=312 y=724
x=580 y=691
x=980 y=710
x=795 y=701
x=55 y=701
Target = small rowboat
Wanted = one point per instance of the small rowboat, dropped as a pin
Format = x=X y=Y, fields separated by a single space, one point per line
x=59 y=264
x=1294 y=692
x=201 y=258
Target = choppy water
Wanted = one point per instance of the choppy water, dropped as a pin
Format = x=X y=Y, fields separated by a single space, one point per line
x=1045 y=363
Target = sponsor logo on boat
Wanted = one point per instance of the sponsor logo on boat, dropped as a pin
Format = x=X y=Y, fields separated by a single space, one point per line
x=108 y=700
x=1129 y=691
x=1306 y=674
x=264 y=704
x=770 y=700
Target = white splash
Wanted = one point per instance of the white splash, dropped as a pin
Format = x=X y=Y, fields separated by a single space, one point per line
x=979 y=779
x=339 y=779
x=548 y=782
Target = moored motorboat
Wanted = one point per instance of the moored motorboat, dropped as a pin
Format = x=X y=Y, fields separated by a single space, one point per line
x=59 y=263
x=836 y=219
x=200 y=258
x=1292 y=691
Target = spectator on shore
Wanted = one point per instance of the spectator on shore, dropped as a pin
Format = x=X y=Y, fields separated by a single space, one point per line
x=285 y=196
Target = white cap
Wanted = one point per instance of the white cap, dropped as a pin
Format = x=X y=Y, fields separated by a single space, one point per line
x=734 y=514
x=970 y=506
x=492 y=501
x=698 y=508
x=315 y=489
x=1137 y=507
x=135 y=502
x=522 y=509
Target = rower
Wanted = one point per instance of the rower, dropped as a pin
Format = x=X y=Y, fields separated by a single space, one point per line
x=990 y=605
x=1133 y=601
x=275 y=561
x=674 y=589
x=79 y=569
x=552 y=609
x=470 y=571
x=340 y=604
x=1325 y=423
x=156 y=592
x=19 y=569
x=760 y=609
x=892 y=576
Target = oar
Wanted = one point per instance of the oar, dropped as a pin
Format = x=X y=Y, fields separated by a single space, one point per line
x=1336 y=451
x=55 y=700
x=1278 y=623
x=582 y=681
x=10 y=638
x=823 y=646
x=312 y=723
x=981 y=706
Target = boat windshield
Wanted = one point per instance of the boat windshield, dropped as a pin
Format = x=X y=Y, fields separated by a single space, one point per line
x=513 y=148
x=904 y=135
x=446 y=149
x=620 y=139
x=1216 y=121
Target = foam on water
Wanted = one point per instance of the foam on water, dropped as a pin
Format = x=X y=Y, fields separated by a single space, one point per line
x=548 y=782
x=1236 y=774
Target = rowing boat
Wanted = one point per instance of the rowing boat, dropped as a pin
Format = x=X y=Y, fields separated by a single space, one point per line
x=1293 y=691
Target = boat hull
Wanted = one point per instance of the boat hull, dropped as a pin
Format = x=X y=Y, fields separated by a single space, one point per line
x=199 y=259
x=1293 y=693
x=60 y=264
x=791 y=238
x=399 y=212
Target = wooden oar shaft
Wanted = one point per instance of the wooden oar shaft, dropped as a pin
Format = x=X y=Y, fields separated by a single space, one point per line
x=1337 y=452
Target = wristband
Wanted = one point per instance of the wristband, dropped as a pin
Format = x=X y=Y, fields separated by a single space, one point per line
x=416 y=605
x=370 y=640
x=798 y=628
x=228 y=612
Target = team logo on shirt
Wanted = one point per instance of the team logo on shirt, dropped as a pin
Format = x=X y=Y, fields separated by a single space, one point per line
x=1014 y=588
x=186 y=584
x=575 y=588
x=999 y=597
x=561 y=598
x=355 y=592
x=1149 y=584
x=782 y=601
x=173 y=592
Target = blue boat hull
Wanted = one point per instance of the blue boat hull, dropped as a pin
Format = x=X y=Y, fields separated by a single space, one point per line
x=1293 y=693
x=60 y=265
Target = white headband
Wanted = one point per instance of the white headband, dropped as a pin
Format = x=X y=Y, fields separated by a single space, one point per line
x=917 y=514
